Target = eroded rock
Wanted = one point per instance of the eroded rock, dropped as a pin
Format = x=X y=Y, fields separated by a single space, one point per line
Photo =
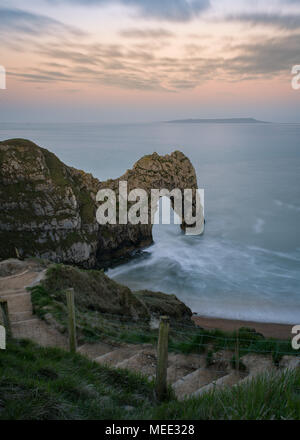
x=48 y=209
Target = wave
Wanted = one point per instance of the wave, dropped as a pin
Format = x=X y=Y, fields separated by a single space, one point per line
x=218 y=278
x=258 y=226
x=293 y=256
x=287 y=205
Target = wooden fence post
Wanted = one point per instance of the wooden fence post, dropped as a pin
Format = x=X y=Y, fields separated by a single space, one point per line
x=5 y=316
x=71 y=320
x=237 y=353
x=162 y=358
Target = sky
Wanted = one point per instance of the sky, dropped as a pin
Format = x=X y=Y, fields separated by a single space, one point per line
x=119 y=61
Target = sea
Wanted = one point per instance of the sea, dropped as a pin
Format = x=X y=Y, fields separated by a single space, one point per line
x=247 y=264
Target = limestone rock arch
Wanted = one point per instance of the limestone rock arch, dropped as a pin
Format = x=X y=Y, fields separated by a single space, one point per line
x=48 y=209
x=174 y=171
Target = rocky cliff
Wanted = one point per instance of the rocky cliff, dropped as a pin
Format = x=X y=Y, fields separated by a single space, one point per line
x=96 y=292
x=48 y=209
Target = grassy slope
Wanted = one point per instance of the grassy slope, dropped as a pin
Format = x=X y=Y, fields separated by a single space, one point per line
x=104 y=308
x=96 y=295
x=47 y=383
x=269 y=397
x=94 y=325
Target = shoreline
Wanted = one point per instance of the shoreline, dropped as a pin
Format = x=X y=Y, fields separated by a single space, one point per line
x=269 y=330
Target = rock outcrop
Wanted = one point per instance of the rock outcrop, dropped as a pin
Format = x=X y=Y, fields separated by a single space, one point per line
x=48 y=209
x=96 y=292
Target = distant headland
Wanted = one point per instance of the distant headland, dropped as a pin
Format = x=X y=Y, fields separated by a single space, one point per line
x=218 y=121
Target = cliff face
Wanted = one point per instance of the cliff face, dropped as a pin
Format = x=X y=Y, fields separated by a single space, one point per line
x=48 y=209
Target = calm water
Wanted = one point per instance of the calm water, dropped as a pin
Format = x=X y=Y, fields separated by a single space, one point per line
x=246 y=266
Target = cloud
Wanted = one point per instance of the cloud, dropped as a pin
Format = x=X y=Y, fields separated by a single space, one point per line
x=174 y=10
x=38 y=76
x=283 y=21
x=69 y=54
x=170 y=10
x=126 y=79
x=269 y=58
x=146 y=33
x=146 y=66
x=17 y=20
x=130 y=68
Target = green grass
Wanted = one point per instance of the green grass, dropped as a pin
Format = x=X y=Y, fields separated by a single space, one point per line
x=269 y=397
x=248 y=341
x=92 y=326
x=50 y=384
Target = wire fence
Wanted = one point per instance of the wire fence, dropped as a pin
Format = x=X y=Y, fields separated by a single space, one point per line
x=161 y=348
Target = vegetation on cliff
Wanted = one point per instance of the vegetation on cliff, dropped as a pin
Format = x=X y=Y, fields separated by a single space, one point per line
x=104 y=308
x=107 y=311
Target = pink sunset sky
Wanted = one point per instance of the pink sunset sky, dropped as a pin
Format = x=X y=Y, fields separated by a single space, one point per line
x=149 y=60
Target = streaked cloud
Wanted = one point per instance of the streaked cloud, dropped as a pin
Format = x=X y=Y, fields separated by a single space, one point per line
x=287 y=21
x=271 y=57
x=20 y=21
x=171 y=10
x=148 y=68
x=42 y=76
x=146 y=33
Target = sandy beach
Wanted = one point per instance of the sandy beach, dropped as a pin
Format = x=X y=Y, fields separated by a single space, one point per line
x=269 y=330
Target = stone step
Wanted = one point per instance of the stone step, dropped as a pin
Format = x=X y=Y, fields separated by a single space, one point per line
x=116 y=356
x=177 y=372
x=93 y=351
x=181 y=365
x=225 y=381
x=195 y=380
x=20 y=316
x=22 y=307
x=290 y=362
x=13 y=292
x=143 y=362
x=39 y=332
x=27 y=322
x=15 y=275
x=19 y=304
x=257 y=363
x=18 y=281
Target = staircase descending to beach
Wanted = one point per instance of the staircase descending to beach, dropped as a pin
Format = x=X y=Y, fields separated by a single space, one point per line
x=189 y=375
